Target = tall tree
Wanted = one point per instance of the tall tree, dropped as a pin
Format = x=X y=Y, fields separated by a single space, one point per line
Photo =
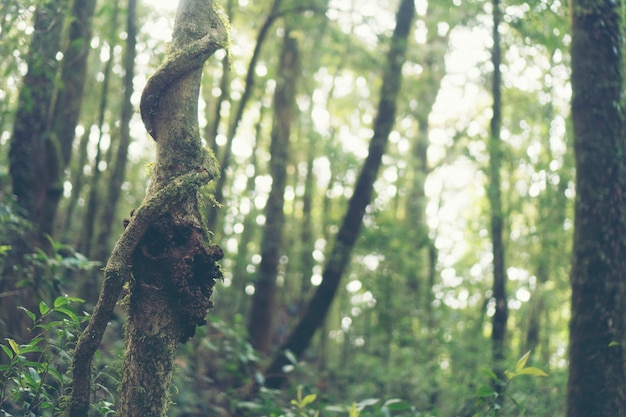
x=261 y=312
x=121 y=159
x=33 y=155
x=319 y=305
x=597 y=373
x=94 y=198
x=165 y=245
x=498 y=332
x=67 y=106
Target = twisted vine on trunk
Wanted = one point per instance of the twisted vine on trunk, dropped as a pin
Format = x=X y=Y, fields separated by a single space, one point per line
x=163 y=253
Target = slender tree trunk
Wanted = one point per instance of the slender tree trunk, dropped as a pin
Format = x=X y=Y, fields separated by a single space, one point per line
x=313 y=317
x=238 y=115
x=214 y=119
x=498 y=334
x=240 y=274
x=77 y=186
x=93 y=201
x=597 y=375
x=306 y=233
x=260 y=322
x=119 y=170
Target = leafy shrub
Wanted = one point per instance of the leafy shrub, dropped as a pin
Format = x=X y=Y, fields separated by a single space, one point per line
x=35 y=380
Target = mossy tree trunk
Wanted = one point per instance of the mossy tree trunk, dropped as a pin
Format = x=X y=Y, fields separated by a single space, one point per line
x=30 y=158
x=164 y=247
x=67 y=106
x=597 y=375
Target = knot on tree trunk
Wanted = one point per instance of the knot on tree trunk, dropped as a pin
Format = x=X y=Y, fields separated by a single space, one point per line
x=173 y=263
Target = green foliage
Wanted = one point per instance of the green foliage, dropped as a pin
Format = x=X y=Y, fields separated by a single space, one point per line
x=35 y=378
x=489 y=398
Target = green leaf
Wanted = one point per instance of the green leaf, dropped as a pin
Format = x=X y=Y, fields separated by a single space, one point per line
x=336 y=408
x=43 y=308
x=29 y=348
x=60 y=301
x=68 y=313
x=396 y=404
x=8 y=351
x=522 y=362
x=614 y=344
x=492 y=375
x=56 y=374
x=484 y=391
x=307 y=400
x=14 y=346
x=291 y=357
x=367 y=402
x=29 y=313
x=531 y=371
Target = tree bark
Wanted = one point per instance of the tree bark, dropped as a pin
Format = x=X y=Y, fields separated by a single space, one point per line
x=33 y=157
x=164 y=246
x=260 y=322
x=499 y=320
x=313 y=317
x=67 y=107
x=597 y=376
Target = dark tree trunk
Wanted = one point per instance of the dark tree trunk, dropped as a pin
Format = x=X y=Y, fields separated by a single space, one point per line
x=313 y=317
x=31 y=161
x=498 y=333
x=119 y=170
x=306 y=234
x=67 y=106
x=597 y=379
x=33 y=155
x=261 y=312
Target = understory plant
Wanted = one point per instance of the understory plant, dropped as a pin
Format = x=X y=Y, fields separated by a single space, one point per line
x=34 y=376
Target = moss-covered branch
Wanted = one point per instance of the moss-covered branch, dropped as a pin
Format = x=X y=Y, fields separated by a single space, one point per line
x=117 y=272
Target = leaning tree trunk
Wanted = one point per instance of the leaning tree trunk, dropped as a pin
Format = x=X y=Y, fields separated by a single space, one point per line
x=597 y=374
x=164 y=247
x=212 y=220
x=313 y=317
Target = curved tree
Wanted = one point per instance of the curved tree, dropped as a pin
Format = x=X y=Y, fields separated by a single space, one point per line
x=164 y=247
